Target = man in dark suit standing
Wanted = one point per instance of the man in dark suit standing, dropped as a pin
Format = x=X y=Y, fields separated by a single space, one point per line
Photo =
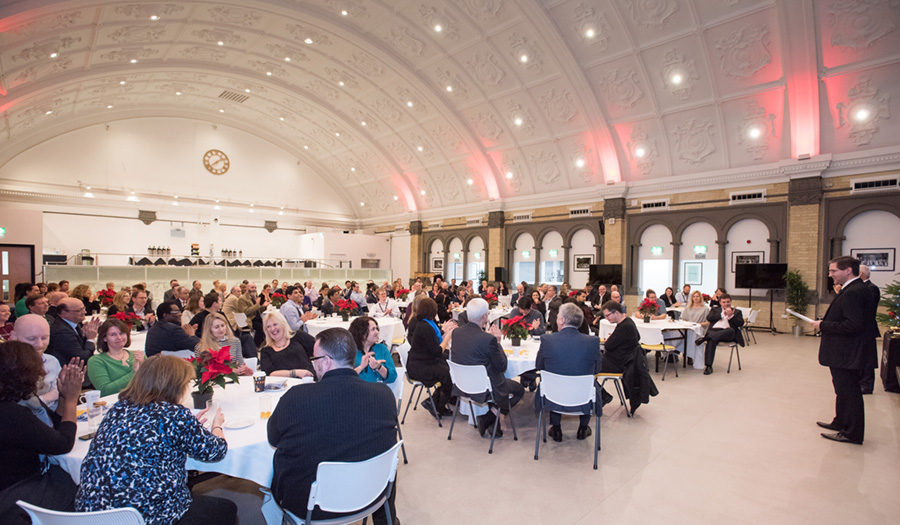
x=552 y=302
x=569 y=353
x=339 y=418
x=847 y=347
x=471 y=345
x=867 y=376
x=725 y=324
x=69 y=337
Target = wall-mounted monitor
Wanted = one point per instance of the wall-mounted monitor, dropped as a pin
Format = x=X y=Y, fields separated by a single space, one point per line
x=760 y=276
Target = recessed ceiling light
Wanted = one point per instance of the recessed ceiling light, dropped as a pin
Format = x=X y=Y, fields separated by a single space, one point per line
x=518 y=122
x=88 y=187
x=134 y=61
x=344 y=12
x=132 y=193
x=396 y=198
x=281 y=213
x=268 y=73
x=305 y=146
x=217 y=207
x=175 y=196
x=178 y=93
x=89 y=195
x=217 y=200
x=579 y=163
x=109 y=106
x=221 y=111
x=49 y=112
x=220 y=43
x=754 y=132
x=509 y=174
x=470 y=182
x=308 y=41
x=352 y=169
x=409 y=103
x=154 y=17
x=862 y=114
x=640 y=152
x=174 y=203
x=337 y=134
x=252 y=204
x=287 y=59
x=422 y=192
x=363 y=123
x=589 y=33
x=341 y=83
x=250 y=210
x=361 y=203
x=677 y=78
x=122 y=82
x=247 y=90
x=281 y=119
x=132 y=198
x=449 y=88
x=54 y=54
x=420 y=148
x=438 y=28
x=523 y=58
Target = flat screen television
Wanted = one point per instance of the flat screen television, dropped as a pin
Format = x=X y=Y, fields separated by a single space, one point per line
x=760 y=276
x=605 y=274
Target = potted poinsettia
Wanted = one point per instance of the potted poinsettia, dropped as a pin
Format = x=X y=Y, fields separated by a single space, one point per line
x=491 y=299
x=278 y=299
x=403 y=294
x=130 y=318
x=515 y=329
x=211 y=368
x=647 y=309
x=106 y=297
x=706 y=297
x=347 y=307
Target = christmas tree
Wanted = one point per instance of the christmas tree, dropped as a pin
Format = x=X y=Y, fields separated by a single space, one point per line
x=890 y=300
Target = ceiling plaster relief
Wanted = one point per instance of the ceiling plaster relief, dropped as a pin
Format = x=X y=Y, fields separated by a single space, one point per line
x=544 y=167
x=676 y=63
x=264 y=67
x=404 y=95
x=126 y=55
x=170 y=88
x=448 y=137
x=354 y=7
x=857 y=24
x=519 y=47
x=144 y=11
x=448 y=186
x=38 y=70
x=514 y=111
x=863 y=96
x=486 y=126
x=510 y=165
x=362 y=116
x=446 y=78
x=235 y=15
x=694 y=140
x=640 y=140
x=482 y=8
x=301 y=33
x=651 y=13
x=475 y=187
x=203 y=53
x=366 y=64
x=745 y=52
x=41 y=50
x=558 y=105
x=755 y=116
x=282 y=52
x=586 y=154
x=585 y=20
x=214 y=36
x=427 y=149
x=45 y=25
x=621 y=87
x=388 y=110
x=406 y=44
x=449 y=24
x=136 y=34
x=484 y=67
x=401 y=153
x=340 y=75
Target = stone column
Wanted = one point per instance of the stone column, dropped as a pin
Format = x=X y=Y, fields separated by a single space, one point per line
x=803 y=250
x=723 y=264
x=676 y=264
x=416 y=250
x=537 y=263
x=496 y=246
x=465 y=264
x=566 y=269
x=614 y=239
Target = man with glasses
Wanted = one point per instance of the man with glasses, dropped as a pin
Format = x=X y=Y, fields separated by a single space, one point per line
x=69 y=336
x=168 y=334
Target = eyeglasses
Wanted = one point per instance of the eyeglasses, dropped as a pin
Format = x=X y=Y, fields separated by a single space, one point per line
x=317 y=357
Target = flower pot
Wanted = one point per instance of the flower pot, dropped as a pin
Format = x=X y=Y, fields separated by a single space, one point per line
x=345 y=316
x=201 y=399
x=797 y=331
x=516 y=341
x=646 y=318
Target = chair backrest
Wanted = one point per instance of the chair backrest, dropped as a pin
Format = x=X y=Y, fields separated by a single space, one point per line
x=240 y=319
x=124 y=516
x=753 y=315
x=470 y=379
x=397 y=386
x=348 y=487
x=567 y=391
x=505 y=300
x=184 y=354
x=251 y=362
x=403 y=352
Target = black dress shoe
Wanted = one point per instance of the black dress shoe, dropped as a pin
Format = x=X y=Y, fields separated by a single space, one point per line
x=605 y=398
x=429 y=406
x=485 y=422
x=702 y=341
x=840 y=438
x=583 y=432
x=555 y=432
x=444 y=411
x=707 y=370
x=829 y=426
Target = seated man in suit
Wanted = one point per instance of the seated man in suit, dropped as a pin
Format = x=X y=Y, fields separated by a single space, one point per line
x=69 y=337
x=140 y=308
x=167 y=334
x=569 y=353
x=470 y=345
x=532 y=317
x=725 y=324
x=170 y=293
x=520 y=292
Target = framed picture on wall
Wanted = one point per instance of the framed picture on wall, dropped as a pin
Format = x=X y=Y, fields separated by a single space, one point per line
x=583 y=262
x=693 y=273
x=877 y=259
x=437 y=264
x=746 y=258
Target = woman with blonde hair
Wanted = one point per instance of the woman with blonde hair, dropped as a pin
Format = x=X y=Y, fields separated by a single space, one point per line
x=82 y=292
x=193 y=308
x=217 y=334
x=120 y=303
x=695 y=311
x=283 y=355
x=154 y=434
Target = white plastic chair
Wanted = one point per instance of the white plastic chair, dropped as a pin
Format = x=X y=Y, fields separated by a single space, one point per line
x=473 y=380
x=403 y=352
x=240 y=319
x=397 y=389
x=123 y=516
x=751 y=320
x=251 y=362
x=567 y=391
x=361 y=486
x=184 y=354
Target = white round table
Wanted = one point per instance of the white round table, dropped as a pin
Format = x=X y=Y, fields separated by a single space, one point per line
x=390 y=327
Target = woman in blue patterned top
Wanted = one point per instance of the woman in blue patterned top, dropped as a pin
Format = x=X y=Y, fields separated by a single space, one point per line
x=137 y=459
x=373 y=358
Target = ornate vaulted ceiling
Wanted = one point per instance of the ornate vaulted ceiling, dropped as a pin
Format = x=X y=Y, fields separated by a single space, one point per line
x=450 y=106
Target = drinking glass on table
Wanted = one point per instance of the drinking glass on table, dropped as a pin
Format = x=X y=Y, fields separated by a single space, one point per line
x=265 y=406
x=95 y=415
x=212 y=408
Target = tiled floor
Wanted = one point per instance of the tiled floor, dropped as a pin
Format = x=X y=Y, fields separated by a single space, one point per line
x=734 y=448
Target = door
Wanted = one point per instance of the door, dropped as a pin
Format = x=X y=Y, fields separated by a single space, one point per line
x=16 y=266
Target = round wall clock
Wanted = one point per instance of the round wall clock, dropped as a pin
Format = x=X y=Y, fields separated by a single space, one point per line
x=216 y=162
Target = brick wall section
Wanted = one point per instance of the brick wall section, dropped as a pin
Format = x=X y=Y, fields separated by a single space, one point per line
x=614 y=243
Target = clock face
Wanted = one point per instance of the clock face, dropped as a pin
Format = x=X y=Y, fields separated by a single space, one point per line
x=216 y=162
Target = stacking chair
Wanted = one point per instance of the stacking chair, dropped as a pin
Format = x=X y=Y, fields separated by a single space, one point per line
x=734 y=348
x=471 y=382
x=751 y=320
x=360 y=487
x=123 y=516
x=397 y=389
x=663 y=351
x=240 y=319
x=567 y=391
x=616 y=378
x=417 y=385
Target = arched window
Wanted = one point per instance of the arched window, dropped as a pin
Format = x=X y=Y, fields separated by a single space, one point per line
x=656 y=260
x=454 y=260
x=552 y=262
x=523 y=259
x=475 y=258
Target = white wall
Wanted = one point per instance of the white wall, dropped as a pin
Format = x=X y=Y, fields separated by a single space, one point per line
x=748 y=235
x=700 y=234
x=23 y=226
x=400 y=255
x=354 y=247
x=655 y=269
x=551 y=241
x=475 y=265
x=523 y=267
x=454 y=266
x=874 y=229
x=582 y=244
x=435 y=251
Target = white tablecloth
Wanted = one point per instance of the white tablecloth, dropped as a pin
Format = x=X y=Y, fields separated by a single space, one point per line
x=654 y=333
x=249 y=453
x=390 y=327
x=493 y=315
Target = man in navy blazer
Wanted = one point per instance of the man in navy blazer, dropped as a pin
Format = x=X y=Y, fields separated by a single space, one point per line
x=847 y=348
x=568 y=352
x=69 y=336
x=725 y=324
x=471 y=345
x=867 y=376
x=167 y=334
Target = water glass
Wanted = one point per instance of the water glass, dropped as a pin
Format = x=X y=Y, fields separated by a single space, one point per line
x=95 y=416
x=265 y=406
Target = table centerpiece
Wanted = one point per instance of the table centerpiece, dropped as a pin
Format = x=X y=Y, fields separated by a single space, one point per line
x=347 y=307
x=515 y=329
x=647 y=308
x=211 y=368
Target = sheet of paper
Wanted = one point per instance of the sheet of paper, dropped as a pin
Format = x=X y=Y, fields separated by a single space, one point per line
x=799 y=316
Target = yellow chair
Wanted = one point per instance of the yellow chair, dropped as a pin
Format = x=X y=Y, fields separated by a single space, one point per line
x=663 y=351
x=616 y=378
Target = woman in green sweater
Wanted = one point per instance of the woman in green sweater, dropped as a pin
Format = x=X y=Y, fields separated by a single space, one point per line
x=112 y=369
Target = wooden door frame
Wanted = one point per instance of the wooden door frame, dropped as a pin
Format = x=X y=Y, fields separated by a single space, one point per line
x=30 y=247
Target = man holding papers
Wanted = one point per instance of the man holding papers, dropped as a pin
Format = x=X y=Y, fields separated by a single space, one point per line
x=847 y=348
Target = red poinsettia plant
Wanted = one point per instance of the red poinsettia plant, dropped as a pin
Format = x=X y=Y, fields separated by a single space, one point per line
x=706 y=297
x=491 y=299
x=278 y=299
x=648 y=307
x=212 y=367
x=347 y=306
x=130 y=318
x=106 y=296
x=514 y=328
x=573 y=293
x=403 y=294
